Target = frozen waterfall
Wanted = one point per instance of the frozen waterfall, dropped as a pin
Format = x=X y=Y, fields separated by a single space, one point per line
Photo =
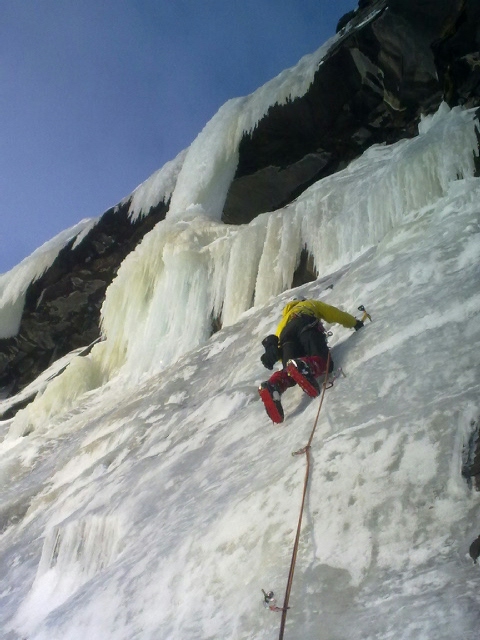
x=191 y=268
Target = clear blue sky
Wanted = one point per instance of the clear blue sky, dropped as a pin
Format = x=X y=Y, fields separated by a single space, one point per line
x=96 y=95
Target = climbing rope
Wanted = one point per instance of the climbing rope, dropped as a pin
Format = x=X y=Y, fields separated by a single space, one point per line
x=306 y=451
x=269 y=598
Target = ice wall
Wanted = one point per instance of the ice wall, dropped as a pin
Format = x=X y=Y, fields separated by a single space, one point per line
x=161 y=510
x=159 y=187
x=191 y=268
x=188 y=270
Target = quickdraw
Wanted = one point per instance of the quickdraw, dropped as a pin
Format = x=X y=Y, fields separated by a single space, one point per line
x=270 y=602
x=335 y=375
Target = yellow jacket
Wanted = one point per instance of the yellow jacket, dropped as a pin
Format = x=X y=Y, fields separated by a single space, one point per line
x=317 y=309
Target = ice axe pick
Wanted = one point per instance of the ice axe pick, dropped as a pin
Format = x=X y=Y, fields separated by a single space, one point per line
x=365 y=313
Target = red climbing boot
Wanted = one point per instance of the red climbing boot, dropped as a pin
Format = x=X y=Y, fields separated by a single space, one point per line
x=299 y=371
x=271 y=399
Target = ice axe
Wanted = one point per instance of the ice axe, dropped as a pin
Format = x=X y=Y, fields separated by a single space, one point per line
x=365 y=313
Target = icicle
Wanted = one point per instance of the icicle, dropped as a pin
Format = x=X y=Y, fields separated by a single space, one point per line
x=191 y=267
x=159 y=187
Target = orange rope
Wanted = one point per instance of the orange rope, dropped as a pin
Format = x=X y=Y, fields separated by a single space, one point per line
x=306 y=451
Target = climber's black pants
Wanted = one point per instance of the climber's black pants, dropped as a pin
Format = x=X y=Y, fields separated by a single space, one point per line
x=304 y=336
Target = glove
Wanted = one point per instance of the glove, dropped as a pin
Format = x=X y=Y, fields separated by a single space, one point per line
x=268 y=360
x=272 y=351
x=358 y=325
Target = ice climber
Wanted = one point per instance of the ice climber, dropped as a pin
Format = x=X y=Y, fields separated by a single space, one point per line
x=300 y=342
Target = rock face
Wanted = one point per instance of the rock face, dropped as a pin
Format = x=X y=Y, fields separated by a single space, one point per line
x=372 y=88
x=394 y=60
x=62 y=308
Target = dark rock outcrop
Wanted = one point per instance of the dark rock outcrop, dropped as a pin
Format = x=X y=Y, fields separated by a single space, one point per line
x=474 y=550
x=372 y=87
x=62 y=308
x=393 y=61
x=471 y=457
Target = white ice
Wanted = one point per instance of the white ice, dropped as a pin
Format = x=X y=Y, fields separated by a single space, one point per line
x=161 y=510
x=198 y=178
x=187 y=271
x=146 y=494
